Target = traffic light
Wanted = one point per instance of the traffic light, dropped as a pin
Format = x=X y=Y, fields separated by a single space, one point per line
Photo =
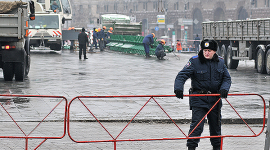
x=98 y=21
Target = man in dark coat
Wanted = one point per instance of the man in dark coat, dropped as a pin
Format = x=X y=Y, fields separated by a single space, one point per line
x=147 y=41
x=83 y=40
x=208 y=74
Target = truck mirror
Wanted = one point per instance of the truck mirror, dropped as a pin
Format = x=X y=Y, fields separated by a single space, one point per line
x=63 y=20
x=32 y=7
x=32 y=10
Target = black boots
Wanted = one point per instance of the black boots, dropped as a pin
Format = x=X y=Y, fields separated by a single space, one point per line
x=216 y=147
x=148 y=56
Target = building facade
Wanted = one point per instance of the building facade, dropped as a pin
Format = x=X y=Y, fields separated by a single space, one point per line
x=183 y=18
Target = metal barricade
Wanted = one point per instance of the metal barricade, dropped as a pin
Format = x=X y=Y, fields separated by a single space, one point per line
x=114 y=139
x=61 y=105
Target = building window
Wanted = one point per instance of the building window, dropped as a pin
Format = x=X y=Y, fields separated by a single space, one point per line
x=135 y=7
x=187 y=6
x=254 y=3
x=176 y=6
x=155 y=5
x=106 y=8
x=81 y=9
x=115 y=6
x=98 y=9
x=125 y=6
x=145 y=6
x=89 y=9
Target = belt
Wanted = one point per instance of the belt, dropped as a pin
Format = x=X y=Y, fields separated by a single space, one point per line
x=191 y=90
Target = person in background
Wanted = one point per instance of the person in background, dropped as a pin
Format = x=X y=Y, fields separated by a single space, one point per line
x=209 y=75
x=55 y=7
x=101 y=36
x=83 y=40
x=178 y=46
x=108 y=35
x=197 y=43
x=94 y=39
x=147 y=41
x=160 y=52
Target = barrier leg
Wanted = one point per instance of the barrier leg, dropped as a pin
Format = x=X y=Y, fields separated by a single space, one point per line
x=267 y=136
x=114 y=145
x=221 y=143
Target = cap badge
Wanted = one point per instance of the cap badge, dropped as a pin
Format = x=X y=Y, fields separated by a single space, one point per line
x=206 y=44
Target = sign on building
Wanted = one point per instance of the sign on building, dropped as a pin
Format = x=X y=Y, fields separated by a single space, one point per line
x=160 y=19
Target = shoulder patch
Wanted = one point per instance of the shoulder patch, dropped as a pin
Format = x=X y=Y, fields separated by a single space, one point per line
x=188 y=64
x=194 y=57
x=220 y=57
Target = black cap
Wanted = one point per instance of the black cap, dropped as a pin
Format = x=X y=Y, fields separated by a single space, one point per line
x=83 y=29
x=209 y=44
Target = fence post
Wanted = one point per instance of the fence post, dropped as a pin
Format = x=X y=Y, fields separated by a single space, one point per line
x=267 y=137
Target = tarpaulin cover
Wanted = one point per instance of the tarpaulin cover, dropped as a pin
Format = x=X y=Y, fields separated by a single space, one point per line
x=6 y=7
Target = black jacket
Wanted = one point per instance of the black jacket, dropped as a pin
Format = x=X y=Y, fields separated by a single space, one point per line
x=82 y=38
x=209 y=75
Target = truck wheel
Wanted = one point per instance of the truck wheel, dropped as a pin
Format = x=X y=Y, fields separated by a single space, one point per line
x=231 y=63
x=260 y=61
x=267 y=62
x=8 y=71
x=223 y=53
x=19 y=71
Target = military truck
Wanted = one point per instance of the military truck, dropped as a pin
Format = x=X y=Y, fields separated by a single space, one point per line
x=14 y=41
x=241 y=40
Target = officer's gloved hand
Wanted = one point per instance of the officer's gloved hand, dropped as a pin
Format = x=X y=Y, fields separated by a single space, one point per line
x=179 y=93
x=223 y=93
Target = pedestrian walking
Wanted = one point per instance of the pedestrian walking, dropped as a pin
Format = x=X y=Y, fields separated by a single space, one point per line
x=197 y=43
x=160 y=52
x=208 y=74
x=83 y=40
x=147 y=41
x=178 y=46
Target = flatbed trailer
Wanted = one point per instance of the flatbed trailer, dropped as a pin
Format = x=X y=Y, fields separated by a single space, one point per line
x=241 y=40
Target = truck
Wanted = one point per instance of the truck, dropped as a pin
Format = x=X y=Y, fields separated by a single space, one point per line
x=46 y=30
x=14 y=39
x=241 y=40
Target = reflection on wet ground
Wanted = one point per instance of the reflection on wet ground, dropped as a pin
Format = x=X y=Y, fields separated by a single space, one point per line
x=112 y=73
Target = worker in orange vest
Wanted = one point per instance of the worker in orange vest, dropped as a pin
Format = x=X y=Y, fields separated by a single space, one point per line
x=178 y=46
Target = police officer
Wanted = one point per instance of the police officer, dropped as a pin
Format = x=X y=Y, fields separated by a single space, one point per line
x=147 y=41
x=208 y=74
x=160 y=52
x=83 y=40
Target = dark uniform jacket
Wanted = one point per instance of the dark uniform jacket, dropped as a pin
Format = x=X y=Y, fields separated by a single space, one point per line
x=82 y=38
x=208 y=75
x=148 y=39
x=101 y=35
x=159 y=47
x=94 y=35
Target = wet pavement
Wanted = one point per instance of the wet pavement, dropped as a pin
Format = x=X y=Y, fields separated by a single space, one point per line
x=112 y=73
